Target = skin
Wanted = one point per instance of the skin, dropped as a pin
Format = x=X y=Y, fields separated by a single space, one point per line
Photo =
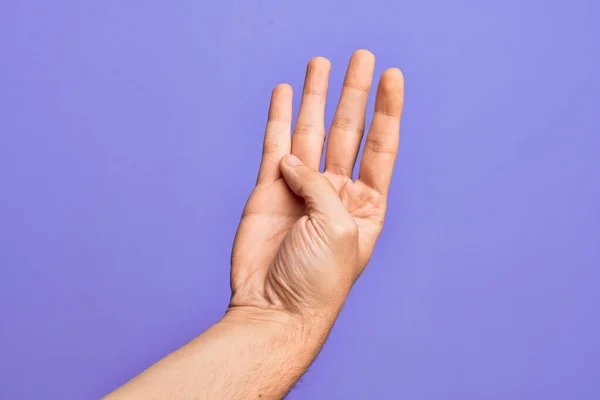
x=304 y=238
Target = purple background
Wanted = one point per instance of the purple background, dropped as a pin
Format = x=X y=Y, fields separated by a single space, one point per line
x=130 y=136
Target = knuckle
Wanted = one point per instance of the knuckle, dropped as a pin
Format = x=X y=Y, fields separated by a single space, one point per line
x=314 y=180
x=309 y=181
x=345 y=230
x=360 y=88
x=309 y=129
x=379 y=144
x=271 y=146
x=339 y=169
x=342 y=123
x=347 y=124
x=272 y=142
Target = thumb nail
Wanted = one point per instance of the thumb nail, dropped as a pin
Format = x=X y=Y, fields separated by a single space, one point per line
x=293 y=161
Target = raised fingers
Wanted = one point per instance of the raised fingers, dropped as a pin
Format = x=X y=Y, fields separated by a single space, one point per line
x=381 y=145
x=277 y=134
x=309 y=132
x=348 y=123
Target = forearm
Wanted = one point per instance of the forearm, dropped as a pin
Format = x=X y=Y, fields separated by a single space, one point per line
x=246 y=355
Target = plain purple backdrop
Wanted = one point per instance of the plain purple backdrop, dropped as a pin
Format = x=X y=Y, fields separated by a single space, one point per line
x=130 y=137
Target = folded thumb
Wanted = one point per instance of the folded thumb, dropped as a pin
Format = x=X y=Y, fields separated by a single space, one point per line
x=313 y=187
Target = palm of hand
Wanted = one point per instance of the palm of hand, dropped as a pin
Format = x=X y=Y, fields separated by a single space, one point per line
x=279 y=259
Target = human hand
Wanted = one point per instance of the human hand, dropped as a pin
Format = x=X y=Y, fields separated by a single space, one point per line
x=305 y=236
x=303 y=240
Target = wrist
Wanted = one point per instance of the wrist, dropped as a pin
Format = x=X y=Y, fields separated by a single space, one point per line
x=294 y=332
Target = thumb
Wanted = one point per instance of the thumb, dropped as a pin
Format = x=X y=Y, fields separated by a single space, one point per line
x=314 y=188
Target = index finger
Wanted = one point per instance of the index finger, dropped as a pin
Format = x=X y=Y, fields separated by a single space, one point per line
x=381 y=145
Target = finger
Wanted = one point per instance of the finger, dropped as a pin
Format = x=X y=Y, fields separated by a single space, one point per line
x=318 y=194
x=277 y=134
x=348 y=123
x=309 y=132
x=381 y=145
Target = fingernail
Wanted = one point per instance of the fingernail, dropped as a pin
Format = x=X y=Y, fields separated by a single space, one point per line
x=293 y=161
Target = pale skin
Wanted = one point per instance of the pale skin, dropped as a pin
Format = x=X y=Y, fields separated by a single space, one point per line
x=304 y=238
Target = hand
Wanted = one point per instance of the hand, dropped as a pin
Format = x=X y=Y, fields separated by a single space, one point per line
x=304 y=239
x=306 y=236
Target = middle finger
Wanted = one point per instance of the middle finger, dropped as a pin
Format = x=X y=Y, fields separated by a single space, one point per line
x=309 y=132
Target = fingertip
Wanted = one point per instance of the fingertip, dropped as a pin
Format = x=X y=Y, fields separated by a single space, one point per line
x=291 y=161
x=283 y=90
x=280 y=109
x=364 y=55
x=390 y=93
x=319 y=63
x=392 y=79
